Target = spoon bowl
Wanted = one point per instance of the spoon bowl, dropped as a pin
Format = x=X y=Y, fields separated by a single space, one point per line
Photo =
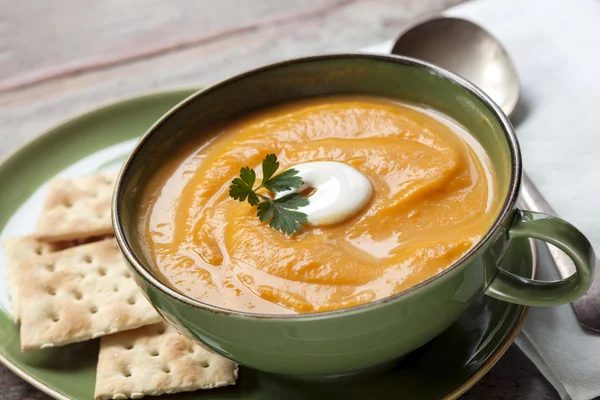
x=467 y=50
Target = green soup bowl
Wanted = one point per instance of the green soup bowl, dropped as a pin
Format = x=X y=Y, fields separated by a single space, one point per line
x=363 y=337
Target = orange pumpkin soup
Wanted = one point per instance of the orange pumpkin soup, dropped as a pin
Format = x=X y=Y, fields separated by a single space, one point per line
x=434 y=197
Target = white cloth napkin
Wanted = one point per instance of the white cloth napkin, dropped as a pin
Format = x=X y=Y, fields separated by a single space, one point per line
x=555 y=46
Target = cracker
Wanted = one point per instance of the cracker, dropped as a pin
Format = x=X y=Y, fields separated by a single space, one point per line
x=78 y=294
x=155 y=360
x=76 y=208
x=20 y=248
x=16 y=249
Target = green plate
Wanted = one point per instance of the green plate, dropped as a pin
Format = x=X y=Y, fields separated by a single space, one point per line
x=444 y=368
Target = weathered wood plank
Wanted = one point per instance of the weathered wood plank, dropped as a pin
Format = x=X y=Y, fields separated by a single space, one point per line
x=45 y=39
x=27 y=112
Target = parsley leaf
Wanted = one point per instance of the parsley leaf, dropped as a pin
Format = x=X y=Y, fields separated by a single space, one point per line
x=281 y=214
x=269 y=166
x=284 y=181
x=241 y=189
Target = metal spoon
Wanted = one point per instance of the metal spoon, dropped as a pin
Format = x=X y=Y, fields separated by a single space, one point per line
x=472 y=52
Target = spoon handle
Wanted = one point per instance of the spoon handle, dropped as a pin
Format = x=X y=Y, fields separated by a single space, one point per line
x=586 y=308
x=533 y=200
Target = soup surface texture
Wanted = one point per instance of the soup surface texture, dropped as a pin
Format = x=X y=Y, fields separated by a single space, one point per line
x=434 y=198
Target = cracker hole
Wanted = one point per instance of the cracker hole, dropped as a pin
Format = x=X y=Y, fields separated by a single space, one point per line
x=93 y=309
x=50 y=267
x=126 y=372
x=129 y=346
x=115 y=289
x=154 y=353
x=51 y=291
x=77 y=294
x=54 y=317
x=160 y=330
x=67 y=203
x=166 y=369
x=87 y=258
x=38 y=250
x=127 y=274
x=102 y=271
x=204 y=364
x=131 y=300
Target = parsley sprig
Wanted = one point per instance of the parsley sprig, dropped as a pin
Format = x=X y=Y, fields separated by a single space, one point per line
x=281 y=213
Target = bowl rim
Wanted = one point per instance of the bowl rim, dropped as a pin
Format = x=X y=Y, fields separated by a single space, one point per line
x=503 y=216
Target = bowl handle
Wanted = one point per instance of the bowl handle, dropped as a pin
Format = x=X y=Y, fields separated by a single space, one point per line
x=530 y=292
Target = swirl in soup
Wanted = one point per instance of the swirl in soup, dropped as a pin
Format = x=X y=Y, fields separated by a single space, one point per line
x=433 y=198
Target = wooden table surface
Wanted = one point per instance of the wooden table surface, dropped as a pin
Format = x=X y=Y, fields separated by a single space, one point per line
x=60 y=58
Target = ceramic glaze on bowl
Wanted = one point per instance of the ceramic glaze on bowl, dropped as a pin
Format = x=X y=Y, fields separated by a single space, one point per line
x=368 y=335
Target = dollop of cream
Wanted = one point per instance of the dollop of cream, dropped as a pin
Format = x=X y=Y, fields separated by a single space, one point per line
x=340 y=191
